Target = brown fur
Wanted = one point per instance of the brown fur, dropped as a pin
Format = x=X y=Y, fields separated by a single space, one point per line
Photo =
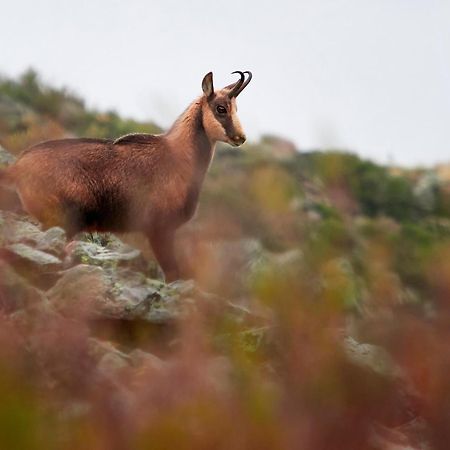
x=138 y=182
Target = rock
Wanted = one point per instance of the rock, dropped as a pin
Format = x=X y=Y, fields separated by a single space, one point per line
x=410 y=436
x=97 y=293
x=370 y=356
x=37 y=316
x=15 y=292
x=52 y=240
x=6 y=158
x=99 y=348
x=143 y=298
x=112 y=362
x=140 y=359
x=131 y=286
x=33 y=252
x=39 y=267
x=34 y=256
x=106 y=251
x=81 y=290
x=15 y=229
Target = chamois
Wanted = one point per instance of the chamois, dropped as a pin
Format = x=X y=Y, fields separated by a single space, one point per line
x=138 y=182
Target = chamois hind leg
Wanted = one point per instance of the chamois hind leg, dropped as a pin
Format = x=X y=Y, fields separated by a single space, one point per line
x=162 y=243
x=72 y=221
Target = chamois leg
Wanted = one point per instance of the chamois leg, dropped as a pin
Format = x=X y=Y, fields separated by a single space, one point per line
x=72 y=220
x=162 y=243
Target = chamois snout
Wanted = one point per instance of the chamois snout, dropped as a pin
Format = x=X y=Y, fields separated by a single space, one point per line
x=238 y=140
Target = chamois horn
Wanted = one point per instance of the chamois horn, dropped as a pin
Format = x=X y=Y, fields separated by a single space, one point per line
x=240 y=85
x=236 y=86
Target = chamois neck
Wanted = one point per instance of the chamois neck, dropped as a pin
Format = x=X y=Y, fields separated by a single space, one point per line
x=184 y=127
x=188 y=137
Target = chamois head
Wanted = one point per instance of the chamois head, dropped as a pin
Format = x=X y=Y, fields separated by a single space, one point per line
x=219 y=110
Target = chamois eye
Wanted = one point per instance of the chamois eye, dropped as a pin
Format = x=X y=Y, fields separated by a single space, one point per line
x=221 y=110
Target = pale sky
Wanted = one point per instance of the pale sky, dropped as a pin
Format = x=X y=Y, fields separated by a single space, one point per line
x=371 y=76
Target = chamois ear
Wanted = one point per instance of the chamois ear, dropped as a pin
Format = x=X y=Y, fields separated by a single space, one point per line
x=207 y=85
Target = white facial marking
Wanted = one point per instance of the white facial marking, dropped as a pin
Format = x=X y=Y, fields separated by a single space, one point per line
x=216 y=130
x=235 y=120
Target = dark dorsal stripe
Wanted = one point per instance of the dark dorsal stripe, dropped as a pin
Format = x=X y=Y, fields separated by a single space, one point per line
x=136 y=138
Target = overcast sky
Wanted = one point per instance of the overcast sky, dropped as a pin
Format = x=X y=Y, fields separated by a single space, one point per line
x=372 y=76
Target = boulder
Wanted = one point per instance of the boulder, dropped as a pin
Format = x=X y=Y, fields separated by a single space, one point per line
x=98 y=293
x=79 y=291
x=15 y=228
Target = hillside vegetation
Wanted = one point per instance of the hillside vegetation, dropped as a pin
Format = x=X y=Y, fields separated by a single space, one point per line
x=318 y=317
x=31 y=111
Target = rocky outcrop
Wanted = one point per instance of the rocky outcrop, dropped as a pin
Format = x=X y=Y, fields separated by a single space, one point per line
x=62 y=290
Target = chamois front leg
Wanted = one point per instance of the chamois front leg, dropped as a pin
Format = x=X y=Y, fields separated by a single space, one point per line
x=162 y=243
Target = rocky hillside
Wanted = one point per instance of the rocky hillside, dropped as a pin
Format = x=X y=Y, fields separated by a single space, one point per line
x=97 y=352
x=317 y=319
